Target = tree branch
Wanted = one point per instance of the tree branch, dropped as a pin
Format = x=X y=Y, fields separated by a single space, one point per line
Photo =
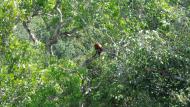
x=54 y=38
x=68 y=33
x=31 y=35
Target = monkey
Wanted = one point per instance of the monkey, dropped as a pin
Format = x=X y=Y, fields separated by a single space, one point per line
x=98 y=47
x=93 y=72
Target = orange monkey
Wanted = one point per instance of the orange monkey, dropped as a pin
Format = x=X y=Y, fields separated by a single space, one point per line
x=98 y=47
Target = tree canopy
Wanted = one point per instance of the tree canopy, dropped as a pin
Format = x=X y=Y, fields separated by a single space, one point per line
x=48 y=58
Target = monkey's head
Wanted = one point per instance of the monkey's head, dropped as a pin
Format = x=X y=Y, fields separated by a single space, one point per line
x=98 y=47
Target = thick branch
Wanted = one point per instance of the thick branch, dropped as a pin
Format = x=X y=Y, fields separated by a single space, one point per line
x=56 y=34
x=58 y=2
x=54 y=38
x=31 y=35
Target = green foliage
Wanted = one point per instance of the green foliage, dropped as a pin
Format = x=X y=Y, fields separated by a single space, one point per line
x=146 y=58
x=26 y=81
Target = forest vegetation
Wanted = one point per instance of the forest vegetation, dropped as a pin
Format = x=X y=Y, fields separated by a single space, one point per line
x=94 y=53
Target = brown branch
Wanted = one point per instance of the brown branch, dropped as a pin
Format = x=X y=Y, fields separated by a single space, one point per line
x=31 y=35
x=57 y=33
x=54 y=38
x=90 y=60
x=68 y=33
x=26 y=27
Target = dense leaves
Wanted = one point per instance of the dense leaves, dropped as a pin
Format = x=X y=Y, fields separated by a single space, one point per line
x=47 y=55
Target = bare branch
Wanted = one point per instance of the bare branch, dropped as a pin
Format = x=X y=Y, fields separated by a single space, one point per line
x=31 y=35
x=54 y=38
x=69 y=32
x=58 y=2
x=61 y=15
